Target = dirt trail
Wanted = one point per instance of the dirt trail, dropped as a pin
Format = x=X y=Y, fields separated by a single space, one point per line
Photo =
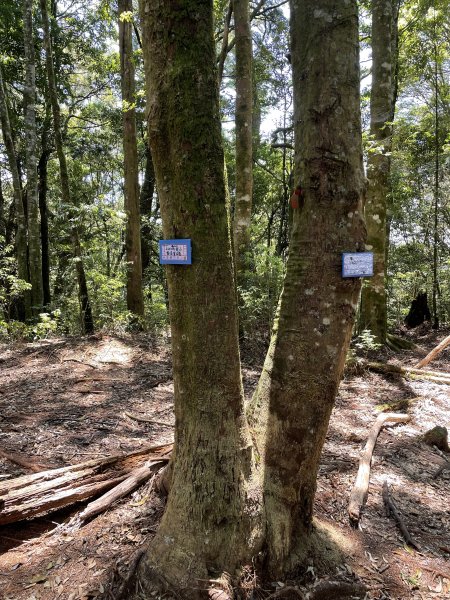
x=63 y=402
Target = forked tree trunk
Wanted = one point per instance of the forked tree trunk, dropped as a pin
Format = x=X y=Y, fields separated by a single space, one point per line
x=215 y=498
x=203 y=528
x=85 y=305
x=292 y=405
x=373 y=314
x=24 y=307
x=135 y=299
x=29 y=93
x=244 y=136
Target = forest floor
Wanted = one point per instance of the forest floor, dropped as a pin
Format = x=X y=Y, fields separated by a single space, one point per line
x=62 y=401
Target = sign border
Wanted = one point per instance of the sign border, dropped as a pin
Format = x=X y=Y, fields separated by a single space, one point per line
x=344 y=254
x=185 y=242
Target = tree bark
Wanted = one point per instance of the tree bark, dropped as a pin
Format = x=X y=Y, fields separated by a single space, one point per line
x=146 y=206
x=244 y=137
x=292 y=404
x=204 y=526
x=135 y=298
x=87 y=320
x=29 y=94
x=373 y=314
x=42 y=192
x=24 y=307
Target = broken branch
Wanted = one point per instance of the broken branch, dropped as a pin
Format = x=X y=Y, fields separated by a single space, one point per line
x=392 y=510
x=359 y=492
x=435 y=352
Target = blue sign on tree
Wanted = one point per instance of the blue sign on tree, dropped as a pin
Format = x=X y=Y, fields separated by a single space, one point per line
x=175 y=252
x=357 y=264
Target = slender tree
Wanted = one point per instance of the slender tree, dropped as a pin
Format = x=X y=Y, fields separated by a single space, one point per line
x=85 y=305
x=24 y=308
x=244 y=136
x=31 y=151
x=373 y=314
x=135 y=299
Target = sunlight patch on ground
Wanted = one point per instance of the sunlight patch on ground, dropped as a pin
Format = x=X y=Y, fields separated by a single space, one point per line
x=113 y=352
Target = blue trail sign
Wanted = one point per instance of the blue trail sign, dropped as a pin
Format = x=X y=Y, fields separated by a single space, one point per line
x=357 y=264
x=175 y=252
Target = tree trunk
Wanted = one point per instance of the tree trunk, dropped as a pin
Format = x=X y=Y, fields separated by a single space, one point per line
x=135 y=299
x=203 y=529
x=29 y=93
x=146 y=206
x=436 y=192
x=292 y=405
x=24 y=307
x=42 y=191
x=87 y=321
x=373 y=314
x=244 y=137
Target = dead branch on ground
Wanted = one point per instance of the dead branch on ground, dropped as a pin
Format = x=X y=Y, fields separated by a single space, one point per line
x=359 y=492
x=391 y=509
x=410 y=372
x=435 y=352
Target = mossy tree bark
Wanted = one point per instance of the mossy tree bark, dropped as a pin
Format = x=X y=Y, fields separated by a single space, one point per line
x=135 y=299
x=24 y=307
x=373 y=314
x=292 y=405
x=87 y=321
x=33 y=225
x=244 y=136
x=203 y=529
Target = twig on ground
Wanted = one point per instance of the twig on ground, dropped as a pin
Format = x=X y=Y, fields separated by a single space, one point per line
x=391 y=509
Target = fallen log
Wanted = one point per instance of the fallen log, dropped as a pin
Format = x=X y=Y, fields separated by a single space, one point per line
x=137 y=478
x=30 y=496
x=359 y=492
x=391 y=509
x=410 y=372
x=435 y=352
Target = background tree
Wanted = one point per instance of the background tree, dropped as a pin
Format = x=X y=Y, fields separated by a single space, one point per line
x=135 y=300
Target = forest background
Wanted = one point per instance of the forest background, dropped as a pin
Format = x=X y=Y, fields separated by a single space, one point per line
x=69 y=231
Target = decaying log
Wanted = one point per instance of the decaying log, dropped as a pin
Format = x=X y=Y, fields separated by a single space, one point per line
x=34 y=495
x=435 y=352
x=137 y=478
x=391 y=509
x=359 y=492
x=411 y=372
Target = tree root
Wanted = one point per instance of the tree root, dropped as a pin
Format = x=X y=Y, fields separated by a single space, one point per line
x=397 y=343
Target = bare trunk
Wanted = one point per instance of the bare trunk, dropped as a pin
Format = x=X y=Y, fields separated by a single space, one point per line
x=42 y=192
x=135 y=299
x=146 y=207
x=29 y=93
x=244 y=137
x=292 y=405
x=203 y=529
x=24 y=308
x=85 y=306
x=436 y=194
x=373 y=315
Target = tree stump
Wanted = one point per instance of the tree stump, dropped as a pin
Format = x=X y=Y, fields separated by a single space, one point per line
x=438 y=436
x=419 y=311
